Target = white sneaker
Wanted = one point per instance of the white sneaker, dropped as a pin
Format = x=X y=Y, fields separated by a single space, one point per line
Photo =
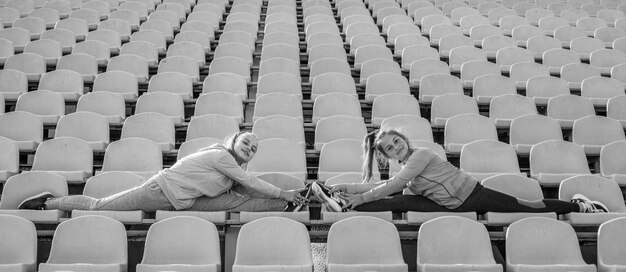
x=590 y=206
x=326 y=198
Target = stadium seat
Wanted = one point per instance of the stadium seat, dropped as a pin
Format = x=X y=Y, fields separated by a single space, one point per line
x=492 y=44
x=187 y=34
x=567 y=108
x=84 y=64
x=9 y=160
x=541 y=44
x=344 y=252
x=6 y=50
x=31 y=64
x=68 y=83
x=339 y=157
x=78 y=26
x=90 y=242
x=133 y=13
x=231 y=65
x=211 y=125
x=238 y=36
x=610 y=244
x=172 y=82
x=543 y=243
x=280 y=82
x=329 y=65
x=472 y=69
x=137 y=155
x=507 y=23
x=107 y=184
x=338 y=127
x=181 y=64
x=20 y=237
x=326 y=51
x=24 y=185
x=9 y=15
x=50 y=50
x=615 y=109
x=279 y=65
x=461 y=54
x=13 y=83
x=291 y=252
x=551 y=23
x=528 y=130
x=415 y=128
x=97 y=49
x=370 y=52
x=566 y=34
x=69 y=157
x=279 y=155
x=49 y=106
x=605 y=59
x=479 y=32
x=437 y=84
x=110 y=105
x=280 y=126
x=192 y=146
x=136 y=65
x=575 y=73
x=35 y=26
x=486 y=87
x=425 y=67
x=470 y=20
x=119 y=82
x=153 y=126
x=504 y=108
x=556 y=58
x=441 y=242
x=597 y=188
x=153 y=36
x=593 y=132
x=88 y=126
x=487 y=158
x=584 y=46
x=187 y=49
x=465 y=128
x=335 y=104
x=552 y=161
x=386 y=83
x=447 y=105
x=166 y=103
x=226 y=82
x=590 y=24
x=375 y=66
x=188 y=242
x=518 y=186
x=417 y=52
x=145 y=49
x=162 y=26
x=281 y=50
x=508 y=56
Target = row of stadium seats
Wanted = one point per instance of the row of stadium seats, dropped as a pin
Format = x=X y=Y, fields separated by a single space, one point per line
x=359 y=243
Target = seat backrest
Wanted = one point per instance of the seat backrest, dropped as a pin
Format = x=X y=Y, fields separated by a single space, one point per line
x=110 y=105
x=558 y=156
x=64 y=154
x=340 y=156
x=24 y=185
x=337 y=127
x=412 y=126
x=363 y=240
x=277 y=104
x=166 y=103
x=438 y=84
x=120 y=82
x=133 y=154
x=280 y=82
x=594 y=187
x=600 y=89
x=21 y=126
x=611 y=241
x=612 y=160
x=597 y=130
x=509 y=106
x=453 y=240
x=91 y=239
x=489 y=156
x=226 y=82
x=467 y=127
x=192 y=146
x=62 y=81
x=279 y=126
x=42 y=103
x=211 y=125
x=386 y=83
x=150 y=125
x=12 y=83
x=182 y=240
x=10 y=158
x=273 y=241
x=542 y=241
x=279 y=155
x=533 y=128
x=392 y=104
x=486 y=87
x=335 y=104
x=447 y=105
x=109 y=183
x=19 y=237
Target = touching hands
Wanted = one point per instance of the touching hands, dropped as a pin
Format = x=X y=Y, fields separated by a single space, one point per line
x=342 y=188
x=352 y=200
x=294 y=196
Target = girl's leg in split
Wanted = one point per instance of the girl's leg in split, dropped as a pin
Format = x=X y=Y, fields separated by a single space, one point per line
x=487 y=200
x=147 y=197
x=402 y=203
x=233 y=202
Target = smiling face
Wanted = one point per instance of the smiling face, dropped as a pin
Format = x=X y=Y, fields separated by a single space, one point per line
x=394 y=147
x=245 y=147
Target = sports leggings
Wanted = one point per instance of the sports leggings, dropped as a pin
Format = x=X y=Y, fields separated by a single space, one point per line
x=481 y=200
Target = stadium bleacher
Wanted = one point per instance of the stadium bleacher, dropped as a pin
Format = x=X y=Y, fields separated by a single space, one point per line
x=99 y=95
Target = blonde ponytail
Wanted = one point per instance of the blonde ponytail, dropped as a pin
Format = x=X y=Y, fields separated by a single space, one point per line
x=368 y=153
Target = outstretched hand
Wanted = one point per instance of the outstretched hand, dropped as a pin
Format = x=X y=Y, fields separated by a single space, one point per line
x=341 y=188
x=294 y=196
x=352 y=200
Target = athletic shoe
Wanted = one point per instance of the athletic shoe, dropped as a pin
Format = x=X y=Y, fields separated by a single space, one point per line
x=322 y=193
x=35 y=202
x=296 y=208
x=590 y=206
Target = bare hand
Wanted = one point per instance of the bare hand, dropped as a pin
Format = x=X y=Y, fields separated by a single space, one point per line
x=352 y=200
x=294 y=196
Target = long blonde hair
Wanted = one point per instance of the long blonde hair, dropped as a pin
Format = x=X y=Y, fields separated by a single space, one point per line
x=372 y=148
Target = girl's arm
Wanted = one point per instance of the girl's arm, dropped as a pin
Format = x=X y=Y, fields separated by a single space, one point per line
x=413 y=168
x=227 y=165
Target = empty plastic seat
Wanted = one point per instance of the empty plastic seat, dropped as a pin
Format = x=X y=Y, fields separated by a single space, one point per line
x=144 y=49
x=231 y=65
x=371 y=233
x=97 y=49
x=575 y=73
x=448 y=105
x=509 y=22
x=492 y=44
x=279 y=155
x=136 y=65
x=335 y=104
x=528 y=130
x=279 y=65
x=132 y=13
x=441 y=242
x=65 y=82
x=386 y=83
x=199 y=37
x=31 y=64
x=460 y=55
x=211 y=125
x=415 y=128
x=551 y=23
x=590 y=24
x=226 y=82
x=508 y=56
x=9 y=160
x=337 y=127
x=504 y=108
x=85 y=65
x=584 y=46
x=50 y=50
x=597 y=188
x=277 y=104
x=162 y=26
x=375 y=66
x=172 y=82
x=479 y=32
x=187 y=49
x=339 y=157
x=556 y=58
x=593 y=132
x=90 y=16
x=332 y=82
x=49 y=106
x=438 y=84
x=610 y=245
x=23 y=127
x=13 y=83
x=417 y=52
x=35 y=26
x=326 y=51
x=69 y=157
x=615 y=109
x=20 y=237
x=9 y=15
x=166 y=103
x=567 y=108
x=220 y=103
x=120 y=82
x=470 y=70
x=605 y=59
x=88 y=126
x=24 y=185
x=237 y=36
x=155 y=37
x=369 y=52
x=552 y=161
x=109 y=252
x=279 y=126
x=425 y=67
x=486 y=158
x=192 y=146
x=465 y=128
x=77 y=26
x=329 y=65
x=154 y=126
x=486 y=87
x=280 y=82
x=189 y=243
x=531 y=240
x=291 y=255
x=181 y=64
x=136 y=155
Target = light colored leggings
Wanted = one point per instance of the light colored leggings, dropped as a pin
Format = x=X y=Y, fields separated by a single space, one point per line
x=149 y=197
